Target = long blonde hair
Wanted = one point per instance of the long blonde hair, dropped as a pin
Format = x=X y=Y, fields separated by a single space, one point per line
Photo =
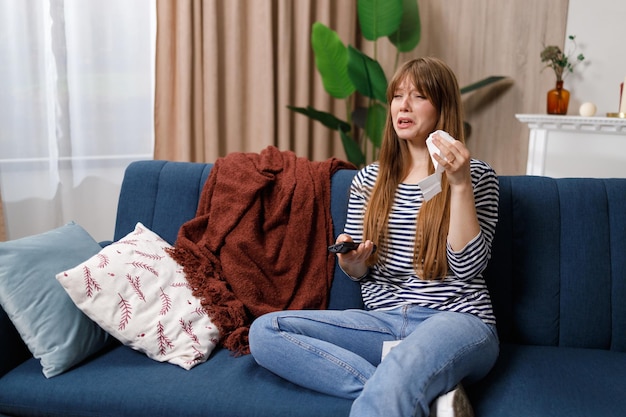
x=434 y=79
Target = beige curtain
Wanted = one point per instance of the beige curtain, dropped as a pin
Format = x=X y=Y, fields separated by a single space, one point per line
x=226 y=70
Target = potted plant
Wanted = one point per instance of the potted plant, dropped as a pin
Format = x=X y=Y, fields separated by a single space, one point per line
x=562 y=64
x=349 y=74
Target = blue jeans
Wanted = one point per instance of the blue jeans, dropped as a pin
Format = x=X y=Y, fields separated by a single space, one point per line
x=338 y=353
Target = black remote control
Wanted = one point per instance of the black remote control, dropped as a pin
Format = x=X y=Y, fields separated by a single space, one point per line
x=345 y=247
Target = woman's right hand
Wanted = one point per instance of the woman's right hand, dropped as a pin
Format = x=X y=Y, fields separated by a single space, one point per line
x=354 y=263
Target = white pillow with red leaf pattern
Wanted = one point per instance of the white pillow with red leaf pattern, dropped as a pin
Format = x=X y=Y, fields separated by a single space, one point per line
x=136 y=292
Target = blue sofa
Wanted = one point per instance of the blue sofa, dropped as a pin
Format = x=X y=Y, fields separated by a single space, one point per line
x=557 y=278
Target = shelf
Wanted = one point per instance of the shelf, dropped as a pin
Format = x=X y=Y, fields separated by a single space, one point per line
x=574 y=123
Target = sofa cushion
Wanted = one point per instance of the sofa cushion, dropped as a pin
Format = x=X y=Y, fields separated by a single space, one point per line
x=55 y=331
x=135 y=291
x=552 y=381
x=123 y=382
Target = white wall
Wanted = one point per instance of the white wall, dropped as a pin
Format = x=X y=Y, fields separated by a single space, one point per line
x=565 y=159
x=600 y=30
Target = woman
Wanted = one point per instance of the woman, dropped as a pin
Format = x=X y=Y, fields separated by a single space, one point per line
x=421 y=286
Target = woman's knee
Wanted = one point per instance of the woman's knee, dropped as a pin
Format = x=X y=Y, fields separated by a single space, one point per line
x=261 y=332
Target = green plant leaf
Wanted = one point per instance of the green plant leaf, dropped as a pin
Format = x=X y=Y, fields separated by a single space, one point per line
x=409 y=34
x=375 y=123
x=367 y=75
x=331 y=60
x=354 y=153
x=379 y=18
x=482 y=83
x=327 y=119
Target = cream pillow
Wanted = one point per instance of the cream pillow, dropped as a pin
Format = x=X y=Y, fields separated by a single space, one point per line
x=136 y=292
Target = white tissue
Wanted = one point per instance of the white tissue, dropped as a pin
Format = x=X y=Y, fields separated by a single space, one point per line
x=387 y=346
x=431 y=185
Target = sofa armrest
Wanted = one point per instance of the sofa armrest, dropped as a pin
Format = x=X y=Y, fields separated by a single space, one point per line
x=13 y=351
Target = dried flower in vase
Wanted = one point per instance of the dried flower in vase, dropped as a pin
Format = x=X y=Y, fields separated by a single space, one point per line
x=560 y=62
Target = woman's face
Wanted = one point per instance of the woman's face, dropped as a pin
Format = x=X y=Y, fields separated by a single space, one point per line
x=414 y=117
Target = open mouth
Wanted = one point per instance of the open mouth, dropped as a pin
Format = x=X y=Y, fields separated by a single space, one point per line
x=404 y=122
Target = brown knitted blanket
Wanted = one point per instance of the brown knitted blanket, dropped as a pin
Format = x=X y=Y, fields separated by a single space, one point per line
x=258 y=241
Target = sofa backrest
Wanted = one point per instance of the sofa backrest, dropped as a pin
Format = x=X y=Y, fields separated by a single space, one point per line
x=558 y=270
x=163 y=195
x=160 y=194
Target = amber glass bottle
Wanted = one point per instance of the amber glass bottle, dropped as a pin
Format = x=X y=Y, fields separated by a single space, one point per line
x=558 y=99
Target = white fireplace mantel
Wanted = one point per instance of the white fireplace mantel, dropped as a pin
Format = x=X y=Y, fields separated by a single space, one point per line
x=574 y=136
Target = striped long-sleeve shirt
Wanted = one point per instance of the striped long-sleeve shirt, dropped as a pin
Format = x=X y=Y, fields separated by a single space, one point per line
x=393 y=282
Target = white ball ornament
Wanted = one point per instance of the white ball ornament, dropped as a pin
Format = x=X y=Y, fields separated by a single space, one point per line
x=587 y=109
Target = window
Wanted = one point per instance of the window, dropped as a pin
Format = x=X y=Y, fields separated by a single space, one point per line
x=76 y=107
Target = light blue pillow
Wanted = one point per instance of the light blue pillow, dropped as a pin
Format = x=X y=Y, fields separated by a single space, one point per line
x=54 y=329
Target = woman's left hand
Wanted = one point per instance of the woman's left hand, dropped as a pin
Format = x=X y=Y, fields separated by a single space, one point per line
x=455 y=159
x=464 y=224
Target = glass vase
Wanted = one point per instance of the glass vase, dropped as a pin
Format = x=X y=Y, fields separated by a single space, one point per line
x=558 y=99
